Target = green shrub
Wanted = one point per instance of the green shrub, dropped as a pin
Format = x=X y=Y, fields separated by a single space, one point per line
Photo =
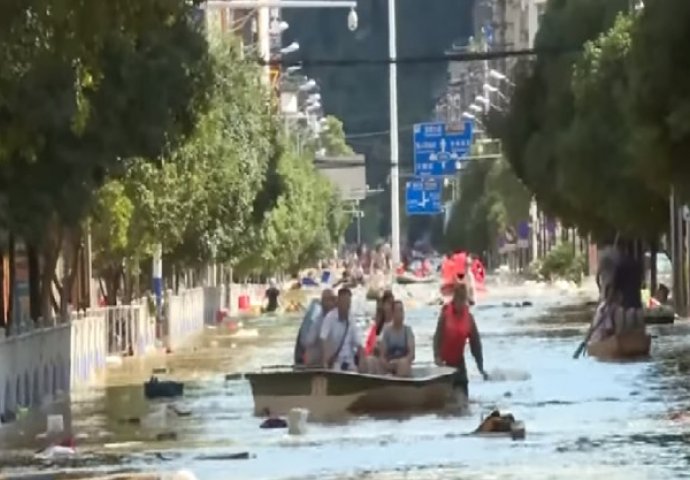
x=563 y=263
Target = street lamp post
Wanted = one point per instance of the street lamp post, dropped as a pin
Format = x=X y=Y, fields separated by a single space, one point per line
x=395 y=181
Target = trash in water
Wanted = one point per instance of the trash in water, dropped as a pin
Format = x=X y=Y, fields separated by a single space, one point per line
x=160 y=371
x=166 y=436
x=180 y=411
x=500 y=423
x=155 y=388
x=233 y=376
x=8 y=416
x=227 y=456
x=274 y=422
x=297 y=421
x=131 y=420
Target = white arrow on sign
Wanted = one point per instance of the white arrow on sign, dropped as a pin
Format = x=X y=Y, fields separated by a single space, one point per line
x=424 y=200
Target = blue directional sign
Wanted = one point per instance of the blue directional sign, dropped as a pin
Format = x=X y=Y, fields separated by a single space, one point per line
x=439 y=148
x=423 y=196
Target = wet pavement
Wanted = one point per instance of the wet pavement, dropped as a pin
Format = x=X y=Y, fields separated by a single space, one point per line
x=584 y=418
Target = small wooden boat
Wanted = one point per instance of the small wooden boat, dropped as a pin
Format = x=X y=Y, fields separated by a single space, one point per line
x=659 y=316
x=328 y=392
x=628 y=345
x=407 y=278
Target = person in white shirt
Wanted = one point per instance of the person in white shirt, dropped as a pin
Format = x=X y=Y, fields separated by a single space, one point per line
x=341 y=339
x=471 y=281
x=312 y=341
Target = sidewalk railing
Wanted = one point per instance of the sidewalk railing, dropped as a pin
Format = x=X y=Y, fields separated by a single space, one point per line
x=38 y=363
x=129 y=328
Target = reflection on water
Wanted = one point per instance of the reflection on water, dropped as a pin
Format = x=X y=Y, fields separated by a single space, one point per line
x=584 y=419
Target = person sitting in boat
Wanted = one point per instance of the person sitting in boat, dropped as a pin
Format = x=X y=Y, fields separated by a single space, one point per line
x=397 y=345
x=627 y=282
x=455 y=327
x=384 y=314
x=609 y=258
x=345 y=280
x=272 y=294
x=308 y=346
x=341 y=340
x=660 y=297
x=603 y=323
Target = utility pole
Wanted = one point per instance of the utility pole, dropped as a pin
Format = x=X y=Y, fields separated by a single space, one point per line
x=393 y=99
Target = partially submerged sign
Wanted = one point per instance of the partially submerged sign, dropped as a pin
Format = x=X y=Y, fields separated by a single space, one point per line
x=348 y=174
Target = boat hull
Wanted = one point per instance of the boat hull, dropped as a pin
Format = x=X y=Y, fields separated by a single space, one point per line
x=405 y=279
x=624 y=346
x=659 y=316
x=326 y=392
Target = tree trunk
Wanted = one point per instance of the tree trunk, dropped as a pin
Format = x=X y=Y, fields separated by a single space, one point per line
x=654 y=249
x=10 y=307
x=51 y=252
x=112 y=283
x=34 y=282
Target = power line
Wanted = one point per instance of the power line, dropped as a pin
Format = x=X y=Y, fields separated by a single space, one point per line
x=454 y=57
x=378 y=133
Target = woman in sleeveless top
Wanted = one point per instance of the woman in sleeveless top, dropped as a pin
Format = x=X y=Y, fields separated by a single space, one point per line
x=397 y=344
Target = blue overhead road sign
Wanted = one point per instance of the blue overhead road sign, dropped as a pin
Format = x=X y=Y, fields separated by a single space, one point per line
x=423 y=196
x=439 y=148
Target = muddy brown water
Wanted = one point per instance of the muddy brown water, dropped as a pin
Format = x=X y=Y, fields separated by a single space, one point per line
x=584 y=418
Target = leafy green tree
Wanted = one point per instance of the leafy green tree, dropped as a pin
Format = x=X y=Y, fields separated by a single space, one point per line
x=597 y=152
x=233 y=151
x=332 y=138
x=660 y=101
x=536 y=131
x=83 y=88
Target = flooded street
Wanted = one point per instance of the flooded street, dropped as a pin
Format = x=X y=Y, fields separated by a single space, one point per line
x=584 y=418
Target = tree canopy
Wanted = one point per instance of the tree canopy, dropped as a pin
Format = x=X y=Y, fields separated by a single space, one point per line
x=599 y=135
x=237 y=191
x=119 y=116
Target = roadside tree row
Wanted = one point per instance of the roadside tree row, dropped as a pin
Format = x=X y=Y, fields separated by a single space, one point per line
x=119 y=119
x=599 y=125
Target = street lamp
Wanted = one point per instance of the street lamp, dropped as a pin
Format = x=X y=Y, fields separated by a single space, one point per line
x=309 y=85
x=476 y=108
x=501 y=77
x=352 y=20
x=482 y=100
x=293 y=47
x=393 y=100
x=468 y=116
x=292 y=69
x=279 y=26
x=488 y=88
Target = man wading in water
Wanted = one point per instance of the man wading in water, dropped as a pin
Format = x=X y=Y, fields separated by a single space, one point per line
x=272 y=295
x=455 y=327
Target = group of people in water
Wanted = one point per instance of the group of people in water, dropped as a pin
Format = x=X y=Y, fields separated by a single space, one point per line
x=330 y=338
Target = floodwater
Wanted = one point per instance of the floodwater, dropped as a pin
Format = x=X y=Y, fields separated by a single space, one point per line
x=584 y=418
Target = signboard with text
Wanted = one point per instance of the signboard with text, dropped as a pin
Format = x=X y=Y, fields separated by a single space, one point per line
x=423 y=196
x=439 y=147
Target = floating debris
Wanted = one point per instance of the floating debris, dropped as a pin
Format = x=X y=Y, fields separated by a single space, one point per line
x=155 y=388
x=227 y=456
